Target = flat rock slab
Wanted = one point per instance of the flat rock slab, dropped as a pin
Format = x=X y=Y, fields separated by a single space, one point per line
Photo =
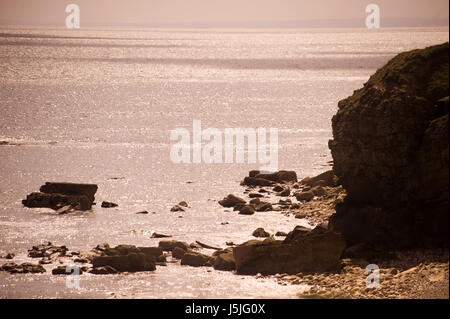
x=313 y=253
x=87 y=190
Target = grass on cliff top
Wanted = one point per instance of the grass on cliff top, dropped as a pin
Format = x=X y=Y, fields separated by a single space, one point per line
x=419 y=67
x=420 y=73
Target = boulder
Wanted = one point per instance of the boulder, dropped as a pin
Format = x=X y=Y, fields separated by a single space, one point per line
x=47 y=250
x=62 y=270
x=23 y=268
x=319 y=191
x=194 y=259
x=296 y=234
x=253 y=173
x=106 y=270
x=231 y=201
x=279 y=177
x=126 y=263
x=327 y=178
x=263 y=206
x=57 y=201
x=102 y=247
x=280 y=234
x=151 y=251
x=304 y=196
x=109 y=204
x=169 y=245
x=225 y=261
x=278 y=188
x=247 y=210
x=87 y=190
x=309 y=253
x=256 y=181
x=286 y=201
x=158 y=235
x=260 y=232
x=183 y=204
x=178 y=253
x=285 y=192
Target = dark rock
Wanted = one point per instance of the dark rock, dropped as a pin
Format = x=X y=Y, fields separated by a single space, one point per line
x=279 y=177
x=391 y=153
x=169 y=245
x=286 y=201
x=263 y=206
x=238 y=207
x=255 y=181
x=151 y=251
x=253 y=173
x=23 y=268
x=231 y=201
x=102 y=247
x=109 y=204
x=63 y=270
x=247 y=210
x=285 y=192
x=87 y=190
x=278 y=188
x=178 y=253
x=46 y=250
x=8 y=256
x=183 y=204
x=297 y=233
x=310 y=253
x=132 y=262
x=225 y=261
x=177 y=208
x=157 y=235
x=280 y=234
x=81 y=260
x=318 y=191
x=327 y=178
x=304 y=196
x=260 y=232
x=56 y=201
x=144 y=212
x=255 y=195
x=194 y=259
x=105 y=270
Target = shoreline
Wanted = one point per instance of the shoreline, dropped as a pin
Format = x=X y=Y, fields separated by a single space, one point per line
x=403 y=274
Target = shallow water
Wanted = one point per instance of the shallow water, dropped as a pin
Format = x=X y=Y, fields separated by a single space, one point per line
x=97 y=106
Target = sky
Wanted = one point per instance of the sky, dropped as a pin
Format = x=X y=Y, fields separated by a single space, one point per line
x=225 y=13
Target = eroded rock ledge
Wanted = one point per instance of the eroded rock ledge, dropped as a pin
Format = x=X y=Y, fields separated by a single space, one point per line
x=390 y=152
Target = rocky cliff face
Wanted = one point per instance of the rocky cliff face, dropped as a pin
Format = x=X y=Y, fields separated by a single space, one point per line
x=391 y=154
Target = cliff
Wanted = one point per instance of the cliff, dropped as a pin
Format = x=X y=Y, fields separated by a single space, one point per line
x=391 y=153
